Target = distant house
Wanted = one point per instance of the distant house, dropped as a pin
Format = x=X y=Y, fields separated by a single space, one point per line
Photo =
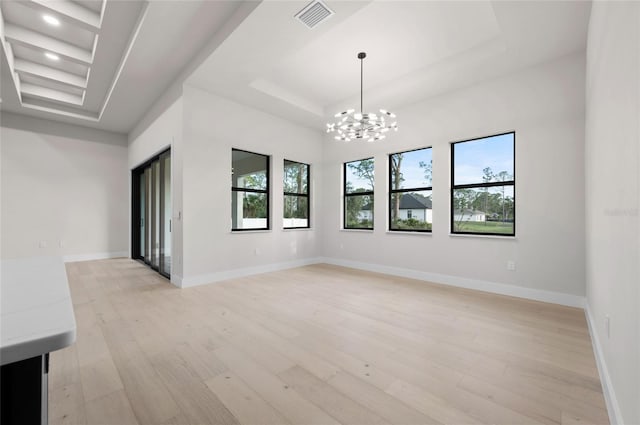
x=412 y=206
x=469 y=215
x=365 y=213
x=416 y=207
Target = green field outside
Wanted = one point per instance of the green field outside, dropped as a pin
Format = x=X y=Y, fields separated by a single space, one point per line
x=484 y=227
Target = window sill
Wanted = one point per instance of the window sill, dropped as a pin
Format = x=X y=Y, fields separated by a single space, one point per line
x=357 y=230
x=297 y=229
x=400 y=232
x=240 y=232
x=464 y=235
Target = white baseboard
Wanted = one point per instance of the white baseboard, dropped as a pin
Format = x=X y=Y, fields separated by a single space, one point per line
x=479 y=285
x=462 y=282
x=95 y=256
x=615 y=416
x=185 y=282
x=176 y=280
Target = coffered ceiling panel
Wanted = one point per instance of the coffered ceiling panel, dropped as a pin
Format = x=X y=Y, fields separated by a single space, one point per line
x=100 y=63
x=56 y=54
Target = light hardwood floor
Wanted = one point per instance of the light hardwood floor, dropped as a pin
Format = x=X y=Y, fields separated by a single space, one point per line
x=316 y=345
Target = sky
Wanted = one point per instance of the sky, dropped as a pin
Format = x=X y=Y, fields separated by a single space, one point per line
x=471 y=158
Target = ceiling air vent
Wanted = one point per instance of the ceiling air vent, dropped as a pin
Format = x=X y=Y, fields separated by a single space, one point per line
x=314 y=13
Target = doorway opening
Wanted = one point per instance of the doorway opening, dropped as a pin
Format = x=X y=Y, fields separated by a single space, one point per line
x=151 y=213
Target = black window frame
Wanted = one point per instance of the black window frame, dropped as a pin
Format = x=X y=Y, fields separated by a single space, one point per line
x=455 y=187
x=266 y=191
x=405 y=190
x=347 y=195
x=298 y=194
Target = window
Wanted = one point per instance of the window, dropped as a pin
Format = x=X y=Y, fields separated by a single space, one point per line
x=249 y=191
x=410 y=191
x=358 y=194
x=296 y=195
x=483 y=186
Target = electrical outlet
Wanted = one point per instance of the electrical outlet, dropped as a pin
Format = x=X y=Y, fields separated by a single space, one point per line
x=256 y=251
x=607 y=326
x=62 y=244
x=341 y=246
x=511 y=265
x=42 y=244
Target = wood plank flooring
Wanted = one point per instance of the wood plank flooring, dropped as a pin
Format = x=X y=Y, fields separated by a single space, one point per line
x=316 y=345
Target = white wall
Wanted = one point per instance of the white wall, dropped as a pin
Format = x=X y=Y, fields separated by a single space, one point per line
x=160 y=129
x=212 y=127
x=545 y=107
x=62 y=185
x=612 y=200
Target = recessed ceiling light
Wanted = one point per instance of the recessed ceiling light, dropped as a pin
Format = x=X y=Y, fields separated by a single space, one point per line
x=52 y=56
x=51 y=20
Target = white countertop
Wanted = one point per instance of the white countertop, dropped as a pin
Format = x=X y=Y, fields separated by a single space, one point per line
x=37 y=312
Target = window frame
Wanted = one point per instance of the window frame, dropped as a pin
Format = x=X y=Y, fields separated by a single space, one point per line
x=266 y=191
x=406 y=190
x=297 y=194
x=346 y=195
x=455 y=187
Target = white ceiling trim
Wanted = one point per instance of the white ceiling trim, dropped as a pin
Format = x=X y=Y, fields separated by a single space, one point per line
x=46 y=72
x=9 y=56
x=123 y=61
x=28 y=38
x=52 y=95
x=50 y=110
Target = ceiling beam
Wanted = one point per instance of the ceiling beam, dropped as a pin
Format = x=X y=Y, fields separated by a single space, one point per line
x=70 y=12
x=51 y=95
x=25 y=37
x=48 y=73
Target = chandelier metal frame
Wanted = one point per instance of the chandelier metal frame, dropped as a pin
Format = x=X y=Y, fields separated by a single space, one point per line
x=359 y=125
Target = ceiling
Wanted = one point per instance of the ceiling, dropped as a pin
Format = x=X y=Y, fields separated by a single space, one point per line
x=265 y=58
x=415 y=49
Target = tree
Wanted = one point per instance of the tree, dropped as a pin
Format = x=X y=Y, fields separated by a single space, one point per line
x=254 y=205
x=397 y=179
x=463 y=199
x=295 y=181
x=364 y=170
x=295 y=178
x=255 y=181
x=354 y=204
x=503 y=176
x=427 y=168
x=486 y=178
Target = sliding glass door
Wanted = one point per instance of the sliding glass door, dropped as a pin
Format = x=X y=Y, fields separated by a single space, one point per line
x=151 y=213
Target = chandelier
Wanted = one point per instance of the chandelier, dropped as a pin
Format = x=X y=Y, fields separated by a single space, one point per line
x=358 y=125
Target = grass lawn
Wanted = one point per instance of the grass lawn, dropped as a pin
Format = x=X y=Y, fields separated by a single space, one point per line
x=485 y=227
